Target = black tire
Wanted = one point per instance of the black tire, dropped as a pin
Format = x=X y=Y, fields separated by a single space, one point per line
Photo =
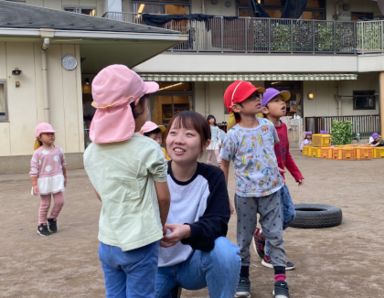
x=310 y=216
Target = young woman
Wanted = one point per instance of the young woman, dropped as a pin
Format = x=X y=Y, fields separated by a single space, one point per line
x=194 y=252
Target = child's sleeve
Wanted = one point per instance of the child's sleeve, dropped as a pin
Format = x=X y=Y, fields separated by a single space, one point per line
x=275 y=135
x=62 y=158
x=156 y=164
x=228 y=148
x=34 y=169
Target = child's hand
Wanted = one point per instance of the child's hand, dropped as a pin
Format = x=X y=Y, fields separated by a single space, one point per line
x=300 y=182
x=35 y=190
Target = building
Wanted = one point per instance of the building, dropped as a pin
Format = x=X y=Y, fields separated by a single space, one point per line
x=45 y=55
x=331 y=58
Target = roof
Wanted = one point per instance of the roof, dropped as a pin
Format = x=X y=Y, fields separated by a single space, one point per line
x=21 y=15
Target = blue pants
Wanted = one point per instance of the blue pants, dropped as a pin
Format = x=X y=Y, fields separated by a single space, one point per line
x=129 y=273
x=217 y=269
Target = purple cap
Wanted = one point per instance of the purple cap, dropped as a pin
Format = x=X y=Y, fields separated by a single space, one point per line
x=375 y=135
x=271 y=93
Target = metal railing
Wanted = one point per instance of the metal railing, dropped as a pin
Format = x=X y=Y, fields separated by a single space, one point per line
x=267 y=35
x=362 y=124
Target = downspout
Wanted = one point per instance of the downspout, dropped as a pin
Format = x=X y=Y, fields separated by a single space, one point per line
x=338 y=101
x=44 y=76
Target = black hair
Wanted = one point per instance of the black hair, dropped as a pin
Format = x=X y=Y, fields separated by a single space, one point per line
x=156 y=130
x=209 y=117
x=141 y=103
x=192 y=120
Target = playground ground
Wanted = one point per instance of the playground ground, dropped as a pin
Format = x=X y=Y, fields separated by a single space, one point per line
x=342 y=261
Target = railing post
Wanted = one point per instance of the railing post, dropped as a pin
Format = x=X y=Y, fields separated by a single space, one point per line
x=246 y=26
x=291 y=35
x=313 y=37
x=222 y=33
x=269 y=35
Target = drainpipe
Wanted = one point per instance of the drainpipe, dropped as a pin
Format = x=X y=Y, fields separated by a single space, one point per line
x=338 y=101
x=44 y=76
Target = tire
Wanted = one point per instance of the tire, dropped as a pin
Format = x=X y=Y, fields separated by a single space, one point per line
x=311 y=216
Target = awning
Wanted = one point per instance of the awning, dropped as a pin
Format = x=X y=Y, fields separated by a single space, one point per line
x=217 y=77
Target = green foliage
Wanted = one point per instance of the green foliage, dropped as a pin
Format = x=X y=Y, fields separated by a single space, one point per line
x=341 y=132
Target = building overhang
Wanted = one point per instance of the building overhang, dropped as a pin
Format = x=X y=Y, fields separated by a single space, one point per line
x=225 y=77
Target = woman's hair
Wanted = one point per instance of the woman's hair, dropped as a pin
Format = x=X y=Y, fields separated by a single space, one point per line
x=209 y=117
x=192 y=120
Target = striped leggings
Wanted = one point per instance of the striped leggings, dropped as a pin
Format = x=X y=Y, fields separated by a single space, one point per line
x=45 y=203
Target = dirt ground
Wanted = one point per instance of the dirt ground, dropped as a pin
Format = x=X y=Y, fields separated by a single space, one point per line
x=342 y=261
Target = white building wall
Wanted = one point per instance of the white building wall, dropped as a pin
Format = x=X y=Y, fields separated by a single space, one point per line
x=325 y=103
x=25 y=107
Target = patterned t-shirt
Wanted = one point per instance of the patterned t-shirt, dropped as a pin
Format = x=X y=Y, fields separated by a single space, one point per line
x=254 y=160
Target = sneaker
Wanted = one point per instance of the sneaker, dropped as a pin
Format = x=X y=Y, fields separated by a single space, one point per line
x=42 y=230
x=243 y=288
x=259 y=242
x=266 y=262
x=281 y=290
x=52 y=225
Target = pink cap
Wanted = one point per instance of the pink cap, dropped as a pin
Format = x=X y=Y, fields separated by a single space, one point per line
x=238 y=91
x=113 y=89
x=151 y=126
x=43 y=127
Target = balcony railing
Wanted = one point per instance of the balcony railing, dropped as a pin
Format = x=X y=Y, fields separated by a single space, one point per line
x=267 y=35
x=363 y=125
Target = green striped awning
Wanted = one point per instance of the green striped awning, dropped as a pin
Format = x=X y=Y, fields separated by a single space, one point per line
x=220 y=77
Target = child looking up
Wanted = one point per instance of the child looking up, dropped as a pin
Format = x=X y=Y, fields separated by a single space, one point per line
x=195 y=252
x=155 y=132
x=129 y=174
x=250 y=146
x=275 y=107
x=49 y=177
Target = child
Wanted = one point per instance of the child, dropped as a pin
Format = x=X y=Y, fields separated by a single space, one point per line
x=217 y=138
x=307 y=140
x=275 y=107
x=152 y=130
x=128 y=173
x=250 y=145
x=375 y=140
x=49 y=177
x=195 y=252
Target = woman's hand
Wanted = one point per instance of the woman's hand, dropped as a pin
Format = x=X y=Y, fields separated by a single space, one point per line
x=175 y=232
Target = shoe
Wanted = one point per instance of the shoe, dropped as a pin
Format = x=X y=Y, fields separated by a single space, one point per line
x=259 y=242
x=42 y=230
x=52 y=225
x=243 y=288
x=266 y=262
x=281 y=290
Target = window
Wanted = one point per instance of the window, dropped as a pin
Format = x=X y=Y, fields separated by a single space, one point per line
x=87 y=11
x=3 y=103
x=162 y=7
x=361 y=16
x=315 y=9
x=364 y=100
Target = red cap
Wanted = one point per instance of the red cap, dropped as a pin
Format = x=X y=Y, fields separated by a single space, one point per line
x=238 y=91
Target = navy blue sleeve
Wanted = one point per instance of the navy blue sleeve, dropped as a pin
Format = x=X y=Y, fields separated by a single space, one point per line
x=214 y=222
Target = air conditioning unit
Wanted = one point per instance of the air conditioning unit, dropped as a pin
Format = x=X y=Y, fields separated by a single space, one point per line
x=342 y=8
